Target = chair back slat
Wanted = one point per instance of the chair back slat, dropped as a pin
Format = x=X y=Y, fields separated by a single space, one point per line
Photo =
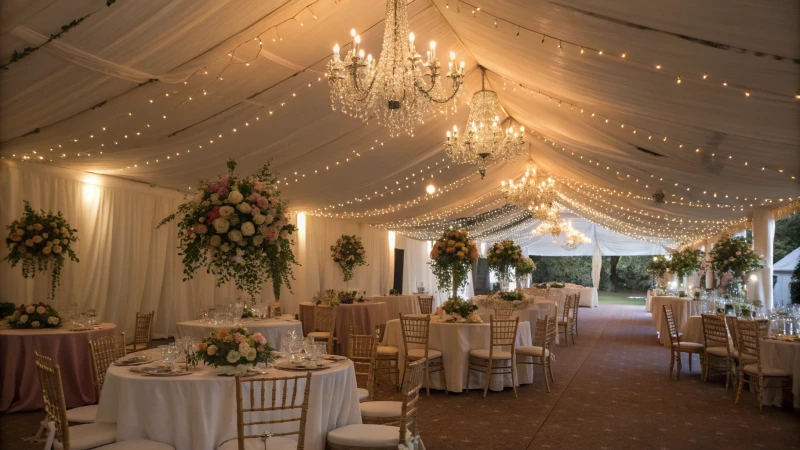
x=540 y=333
x=669 y=316
x=143 y=330
x=415 y=373
x=415 y=329
x=552 y=329
x=249 y=416
x=425 y=304
x=324 y=318
x=53 y=395
x=576 y=303
x=569 y=304
x=749 y=333
x=105 y=350
x=715 y=332
x=503 y=331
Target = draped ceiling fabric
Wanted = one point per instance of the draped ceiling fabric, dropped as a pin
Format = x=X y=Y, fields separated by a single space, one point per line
x=163 y=93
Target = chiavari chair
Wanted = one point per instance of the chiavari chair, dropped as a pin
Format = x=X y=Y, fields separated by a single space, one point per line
x=143 y=332
x=540 y=352
x=751 y=369
x=503 y=309
x=489 y=361
x=717 y=347
x=677 y=347
x=425 y=304
x=388 y=355
x=324 y=324
x=566 y=324
x=416 y=333
x=362 y=349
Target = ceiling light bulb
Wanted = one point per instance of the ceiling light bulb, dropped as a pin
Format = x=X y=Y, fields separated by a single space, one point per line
x=431 y=189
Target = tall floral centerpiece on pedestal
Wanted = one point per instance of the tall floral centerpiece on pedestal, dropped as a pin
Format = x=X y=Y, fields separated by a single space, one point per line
x=731 y=258
x=685 y=262
x=41 y=241
x=452 y=257
x=502 y=257
x=238 y=228
x=348 y=252
x=658 y=267
x=523 y=270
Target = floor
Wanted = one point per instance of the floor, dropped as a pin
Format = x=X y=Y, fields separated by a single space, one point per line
x=611 y=392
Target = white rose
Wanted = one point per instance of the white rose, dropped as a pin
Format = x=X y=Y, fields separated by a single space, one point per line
x=244 y=347
x=51 y=243
x=35 y=324
x=233 y=356
x=221 y=224
x=30 y=309
x=259 y=219
x=205 y=204
x=41 y=310
x=198 y=197
x=258 y=240
x=216 y=241
x=226 y=211
x=251 y=355
x=64 y=231
x=225 y=248
x=47 y=250
x=57 y=249
x=244 y=208
x=235 y=235
x=215 y=199
x=45 y=235
x=269 y=219
x=23 y=318
x=248 y=229
x=37 y=239
x=235 y=197
x=239 y=252
x=52 y=320
x=29 y=242
x=284 y=234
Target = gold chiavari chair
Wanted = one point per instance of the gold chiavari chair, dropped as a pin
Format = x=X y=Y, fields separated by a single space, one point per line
x=388 y=355
x=752 y=370
x=78 y=437
x=717 y=346
x=540 y=353
x=575 y=312
x=425 y=304
x=677 y=347
x=143 y=332
x=324 y=324
x=566 y=324
x=416 y=332
x=503 y=334
x=261 y=404
x=385 y=437
x=362 y=349
x=503 y=309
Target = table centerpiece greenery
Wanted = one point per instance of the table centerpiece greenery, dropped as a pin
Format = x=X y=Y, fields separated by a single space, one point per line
x=234 y=350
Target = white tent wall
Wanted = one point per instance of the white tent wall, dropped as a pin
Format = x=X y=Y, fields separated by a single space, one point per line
x=782 y=271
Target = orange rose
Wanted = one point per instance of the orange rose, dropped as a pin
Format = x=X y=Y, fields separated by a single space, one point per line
x=222 y=334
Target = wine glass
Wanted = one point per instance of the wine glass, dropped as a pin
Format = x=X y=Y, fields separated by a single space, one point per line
x=91 y=318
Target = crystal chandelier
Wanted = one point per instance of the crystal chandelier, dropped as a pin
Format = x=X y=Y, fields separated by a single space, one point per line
x=484 y=141
x=532 y=192
x=573 y=238
x=393 y=89
x=553 y=228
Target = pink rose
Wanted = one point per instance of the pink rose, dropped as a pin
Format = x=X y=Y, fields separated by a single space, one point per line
x=739 y=253
x=259 y=338
x=270 y=233
x=200 y=228
x=258 y=186
x=238 y=337
x=213 y=187
x=222 y=192
x=253 y=197
x=255 y=211
x=262 y=202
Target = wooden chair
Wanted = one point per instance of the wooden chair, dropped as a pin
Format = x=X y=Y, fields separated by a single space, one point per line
x=503 y=309
x=78 y=437
x=416 y=331
x=575 y=311
x=388 y=358
x=540 y=352
x=324 y=325
x=677 y=347
x=566 y=324
x=268 y=400
x=425 y=304
x=142 y=333
x=503 y=333
x=752 y=371
x=717 y=346
x=385 y=437
x=362 y=349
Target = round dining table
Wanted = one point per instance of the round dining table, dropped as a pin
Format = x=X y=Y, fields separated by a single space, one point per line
x=366 y=317
x=19 y=382
x=198 y=411
x=530 y=314
x=781 y=355
x=455 y=340
x=273 y=330
x=399 y=304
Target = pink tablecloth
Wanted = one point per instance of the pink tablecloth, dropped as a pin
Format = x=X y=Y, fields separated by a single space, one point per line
x=19 y=385
x=367 y=317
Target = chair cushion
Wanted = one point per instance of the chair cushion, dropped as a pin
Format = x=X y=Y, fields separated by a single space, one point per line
x=381 y=409
x=319 y=334
x=367 y=436
x=766 y=370
x=418 y=353
x=689 y=346
x=484 y=354
x=273 y=443
x=362 y=394
x=90 y=435
x=142 y=445
x=387 y=350
x=532 y=351
x=83 y=414
x=717 y=351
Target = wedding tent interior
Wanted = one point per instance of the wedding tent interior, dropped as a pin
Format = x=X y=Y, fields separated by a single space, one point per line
x=572 y=128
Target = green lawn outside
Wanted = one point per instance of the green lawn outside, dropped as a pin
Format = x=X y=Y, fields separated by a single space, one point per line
x=621 y=298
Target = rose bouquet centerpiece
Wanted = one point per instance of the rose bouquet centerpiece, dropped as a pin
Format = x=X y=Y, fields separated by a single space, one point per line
x=523 y=270
x=734 y=255
x=41 y=241
x=461 y=310
x=327 y=297
x=517 y=298
x=348 y=297
x=39 y=315
x=234 y=350
x=348 y=252
x=452 y=257
x=502 y=257
x=238 y=228
x=685 y=262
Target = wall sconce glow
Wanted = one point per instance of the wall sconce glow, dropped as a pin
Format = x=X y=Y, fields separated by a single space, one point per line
x=753 y=277
x=301 y=222
x=431 y=189
x=392 y=239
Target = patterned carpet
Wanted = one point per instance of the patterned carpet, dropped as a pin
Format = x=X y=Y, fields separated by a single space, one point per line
x=611 y=392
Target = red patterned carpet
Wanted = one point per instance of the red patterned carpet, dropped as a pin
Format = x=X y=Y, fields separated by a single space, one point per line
x=611 y=391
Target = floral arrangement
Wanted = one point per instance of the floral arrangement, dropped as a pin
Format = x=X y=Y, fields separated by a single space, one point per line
x=37 y=315
x=247 y=313
x=557 y=285
x=511 y=296
x=238 y=228
x=685 y=261
x=348 y=253
x=234 y=350
x=327 y=297
x=524 y=267
x=502 y=257
x=394 y=292
x=658 y=266
x=452 y=257
x=41 y=241
x=349 y=297
x=540 y=285
x=735 y=255
x=461 y=309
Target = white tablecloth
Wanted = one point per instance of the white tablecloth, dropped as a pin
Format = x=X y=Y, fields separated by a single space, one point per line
x=272 y=329
x=198 y=411
x=786 y=356
x=399 y=304
x=681 y=307
x=648 y=306
x=693 y=330
x=455 y=340
x=535 y=311
x=588 y=295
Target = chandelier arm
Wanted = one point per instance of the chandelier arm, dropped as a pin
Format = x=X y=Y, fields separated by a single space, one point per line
x=435 y=100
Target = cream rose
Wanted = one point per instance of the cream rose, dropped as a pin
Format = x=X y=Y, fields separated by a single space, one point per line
x=211 y=350
x=57 y=249
x=52 y=320
x=215 y=241
x=47 y=250
x=23 y=318
x=29 y=242
x=244 y=208
x=41 y=310
x=248 y=229
x=35 y=324
x=251 y=355
x=235 y=235
x=259 y=219
x=56 y=241
x=30 y=309
x=221 y=224
x=37 y=239
x=235 y=197
x=233 y=356
x=226 y=211
x=258 y=240
x=244 y=347
x=269 y=219
x=215 y=199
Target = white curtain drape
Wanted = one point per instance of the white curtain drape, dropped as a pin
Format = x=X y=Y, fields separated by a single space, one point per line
x=597 y=265
x=763 y=243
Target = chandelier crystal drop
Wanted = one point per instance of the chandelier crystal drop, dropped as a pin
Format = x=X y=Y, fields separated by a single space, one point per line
x=395 y=89
x=484 y=140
